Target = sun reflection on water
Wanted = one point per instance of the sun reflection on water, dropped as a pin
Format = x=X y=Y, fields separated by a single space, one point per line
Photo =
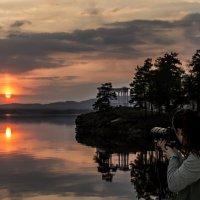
x=7 y=139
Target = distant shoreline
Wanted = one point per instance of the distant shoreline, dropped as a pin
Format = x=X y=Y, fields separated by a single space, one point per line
x=15 y=113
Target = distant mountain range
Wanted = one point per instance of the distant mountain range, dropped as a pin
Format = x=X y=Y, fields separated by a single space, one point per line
x=67 y=105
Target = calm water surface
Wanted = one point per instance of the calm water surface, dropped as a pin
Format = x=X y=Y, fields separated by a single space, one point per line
x=40 y=159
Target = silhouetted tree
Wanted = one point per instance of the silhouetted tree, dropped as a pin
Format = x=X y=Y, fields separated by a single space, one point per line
x=104 y=95
x=168 y=80
x=189 y=89
x=195 y=73
x=141 y=84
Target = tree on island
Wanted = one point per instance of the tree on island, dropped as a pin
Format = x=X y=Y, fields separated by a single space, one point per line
x=160 y=85
x=168 y=77
x=195 y=78
x=141 y=85
x=104 y=95
x=189 y=89
x=163 y=85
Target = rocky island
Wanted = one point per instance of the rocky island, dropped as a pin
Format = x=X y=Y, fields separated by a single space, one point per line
x=119 y=127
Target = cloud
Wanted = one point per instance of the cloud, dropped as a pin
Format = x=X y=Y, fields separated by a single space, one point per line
x=91 y=12
x=24 y=53
x=51 y=78
x=191 y=27
x=19 y=23
x=21 y=51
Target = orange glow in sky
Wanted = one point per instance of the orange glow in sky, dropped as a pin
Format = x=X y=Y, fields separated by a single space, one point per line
x=47 y=46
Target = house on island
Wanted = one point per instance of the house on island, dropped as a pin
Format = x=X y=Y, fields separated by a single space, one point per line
x=123 y=97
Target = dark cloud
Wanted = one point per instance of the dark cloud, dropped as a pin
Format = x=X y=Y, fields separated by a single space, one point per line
x=21 y=52
x=191 y=27
x=24 y=52
x=19 y=23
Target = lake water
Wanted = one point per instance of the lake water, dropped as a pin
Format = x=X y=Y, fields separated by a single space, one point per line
x=41 y=160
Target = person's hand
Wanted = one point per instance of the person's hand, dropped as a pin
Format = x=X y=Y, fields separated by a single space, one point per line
x=167 y=150
x=161 y=144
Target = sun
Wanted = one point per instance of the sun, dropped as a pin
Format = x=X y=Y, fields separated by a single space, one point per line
x=8 y=133
x=8 y=94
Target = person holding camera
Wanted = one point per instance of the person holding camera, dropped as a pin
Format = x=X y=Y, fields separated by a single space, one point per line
x=183 y=172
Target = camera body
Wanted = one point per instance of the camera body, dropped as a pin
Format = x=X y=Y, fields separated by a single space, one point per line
x=167 y=134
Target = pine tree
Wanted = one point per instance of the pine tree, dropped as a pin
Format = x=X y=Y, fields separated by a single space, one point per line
x=168 y=80
x=104 y=95
x=141 y=85
x=195 y=71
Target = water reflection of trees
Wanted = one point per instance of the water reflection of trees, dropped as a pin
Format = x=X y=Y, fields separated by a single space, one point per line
x=148 y=174
x=105 y=165
x=148 y=171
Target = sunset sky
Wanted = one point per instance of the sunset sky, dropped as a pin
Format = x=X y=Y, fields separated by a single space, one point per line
x=61 y=50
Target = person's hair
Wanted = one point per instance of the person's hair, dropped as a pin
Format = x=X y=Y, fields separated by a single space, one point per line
x=189 y=121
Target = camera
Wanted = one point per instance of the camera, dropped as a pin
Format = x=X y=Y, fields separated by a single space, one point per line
x=167 y=134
